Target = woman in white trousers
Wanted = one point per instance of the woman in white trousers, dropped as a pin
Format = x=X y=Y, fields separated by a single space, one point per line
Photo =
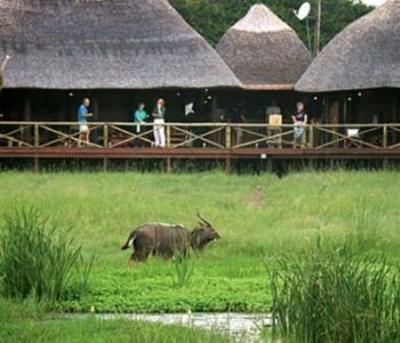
x=159 y=130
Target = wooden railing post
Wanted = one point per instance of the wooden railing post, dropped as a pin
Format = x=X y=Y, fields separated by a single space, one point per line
x=36 y=137
x=385 y=136
x=228 y=137
x=168 y=142
x=311 y=136
x=105 y=136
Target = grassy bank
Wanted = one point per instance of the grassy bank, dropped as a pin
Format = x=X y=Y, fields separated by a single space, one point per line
x=28 y=322
x=258 y=217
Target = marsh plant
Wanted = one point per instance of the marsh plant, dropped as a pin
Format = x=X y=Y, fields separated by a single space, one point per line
x=366 y=225
x=332 y=295
x=183 y=269
x=38 y=259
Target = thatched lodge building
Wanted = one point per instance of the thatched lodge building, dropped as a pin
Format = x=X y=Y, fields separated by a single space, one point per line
x=267 y=56
x=119 y=53
x=359 y=70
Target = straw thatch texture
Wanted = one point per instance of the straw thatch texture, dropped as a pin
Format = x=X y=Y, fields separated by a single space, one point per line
x=264 y=52
x=113 y=44
x=365 y=55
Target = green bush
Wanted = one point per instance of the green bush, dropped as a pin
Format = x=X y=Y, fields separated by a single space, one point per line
x=334 y=295
x=39 y=260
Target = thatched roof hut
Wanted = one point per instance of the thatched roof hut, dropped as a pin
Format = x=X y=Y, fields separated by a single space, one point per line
x=105 y=44
x=264 y=52
x=365 y=55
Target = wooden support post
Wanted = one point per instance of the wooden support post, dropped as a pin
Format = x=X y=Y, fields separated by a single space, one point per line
x=228 y=145
x=344 y=118
x=27 y=108
x=311 y=145
x=228 y=137
x=95 y=108
x=26 y=135
x=311 y=136
x=105 y=145
x=105 y=136
x=36 y=136
x=385 y=136
x=311 y=163
x=214 y=108
x=168 y=165
x=168 y=142
x=385 y=145
x=93 y=135
x=228 y=165
x=36 y=164
x=395 y=118
x=270 y=166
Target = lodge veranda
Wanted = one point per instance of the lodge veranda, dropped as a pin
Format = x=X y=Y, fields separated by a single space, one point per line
x=353 y=101
x=61 y=137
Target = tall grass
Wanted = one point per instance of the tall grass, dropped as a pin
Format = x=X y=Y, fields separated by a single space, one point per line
x=37 y=259
x=334 y=295
x=366 y=225
x=183 y=267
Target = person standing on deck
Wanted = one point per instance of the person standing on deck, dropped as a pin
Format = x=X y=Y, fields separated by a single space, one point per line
x=300 y=120
x=273 y=109
x=140 y=116
x=159 y=120
x=83 y=115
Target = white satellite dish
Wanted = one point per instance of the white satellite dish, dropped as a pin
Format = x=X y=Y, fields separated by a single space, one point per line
x=303 y=11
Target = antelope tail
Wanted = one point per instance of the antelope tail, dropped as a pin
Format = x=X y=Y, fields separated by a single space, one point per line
x=129 y=241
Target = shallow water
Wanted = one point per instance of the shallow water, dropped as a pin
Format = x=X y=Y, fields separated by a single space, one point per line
x=238 y=325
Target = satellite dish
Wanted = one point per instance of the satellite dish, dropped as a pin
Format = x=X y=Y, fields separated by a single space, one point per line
x=304 y=11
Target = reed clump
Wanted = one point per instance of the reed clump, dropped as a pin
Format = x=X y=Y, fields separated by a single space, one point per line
x=40 y=260
x=183 y=269
x=334 y=294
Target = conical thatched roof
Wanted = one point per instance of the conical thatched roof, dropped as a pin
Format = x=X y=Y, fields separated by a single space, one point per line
x=90 y=44
x=263 y=51
x=365 y=55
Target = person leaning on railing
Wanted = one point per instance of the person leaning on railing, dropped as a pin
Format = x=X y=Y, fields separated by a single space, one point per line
x=140 y=116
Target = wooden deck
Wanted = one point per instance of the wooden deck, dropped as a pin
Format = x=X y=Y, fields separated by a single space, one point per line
x=197 y=153
x=223 y=141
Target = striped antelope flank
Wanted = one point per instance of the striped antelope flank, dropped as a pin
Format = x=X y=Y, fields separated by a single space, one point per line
x=166 y=239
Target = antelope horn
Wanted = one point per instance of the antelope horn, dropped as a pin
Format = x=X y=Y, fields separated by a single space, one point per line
x=203 y=220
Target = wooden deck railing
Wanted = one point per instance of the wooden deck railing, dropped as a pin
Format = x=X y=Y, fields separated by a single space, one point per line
x=200 y=135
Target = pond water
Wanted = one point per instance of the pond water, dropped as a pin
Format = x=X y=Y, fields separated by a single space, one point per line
x=237 y=325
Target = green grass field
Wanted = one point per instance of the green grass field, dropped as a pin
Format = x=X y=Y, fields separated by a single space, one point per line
x=258 y=217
